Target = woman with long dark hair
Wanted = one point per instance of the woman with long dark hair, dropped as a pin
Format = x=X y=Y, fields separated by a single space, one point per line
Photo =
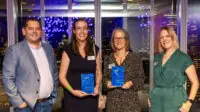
x=81 y=56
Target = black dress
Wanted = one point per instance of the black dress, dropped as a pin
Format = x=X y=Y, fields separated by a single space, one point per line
x=77 y=66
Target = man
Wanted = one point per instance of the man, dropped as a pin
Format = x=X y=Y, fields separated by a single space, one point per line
x=30 y=75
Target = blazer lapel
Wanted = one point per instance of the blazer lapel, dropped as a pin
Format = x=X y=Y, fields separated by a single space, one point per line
x=30 y=55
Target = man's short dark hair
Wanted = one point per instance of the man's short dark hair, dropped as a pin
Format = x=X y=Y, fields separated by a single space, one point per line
x=31 y=19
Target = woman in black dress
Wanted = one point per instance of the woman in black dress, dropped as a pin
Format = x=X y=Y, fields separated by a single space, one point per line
x=81 y=56
x=124 y=98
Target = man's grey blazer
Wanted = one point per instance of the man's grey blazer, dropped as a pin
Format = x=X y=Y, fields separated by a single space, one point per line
x=21 y=78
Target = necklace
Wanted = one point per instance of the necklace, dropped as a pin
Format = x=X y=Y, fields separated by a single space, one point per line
x=120 y=59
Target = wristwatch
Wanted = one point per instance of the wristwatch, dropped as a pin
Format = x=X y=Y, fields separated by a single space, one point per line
x=191 y=101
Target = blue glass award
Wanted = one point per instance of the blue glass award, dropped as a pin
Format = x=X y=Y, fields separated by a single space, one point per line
x=87 y=83
x=117 y=76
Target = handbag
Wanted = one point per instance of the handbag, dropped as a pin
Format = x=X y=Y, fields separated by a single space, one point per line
x=102 y=101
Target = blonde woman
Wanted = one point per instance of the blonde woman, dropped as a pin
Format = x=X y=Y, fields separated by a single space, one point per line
x=171 y=69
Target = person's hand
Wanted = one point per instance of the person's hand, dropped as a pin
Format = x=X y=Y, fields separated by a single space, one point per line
x=185 y=107
x=109 y=85
x=79 y=93
x=96 y=91
x=23 y=105
x=149 y=103
x=127 y=85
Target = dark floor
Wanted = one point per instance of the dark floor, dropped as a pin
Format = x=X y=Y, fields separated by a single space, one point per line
x=195 y=108
x=4 y=109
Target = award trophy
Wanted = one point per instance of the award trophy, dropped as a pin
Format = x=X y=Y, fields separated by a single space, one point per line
x=87 y=83
x=117 y=76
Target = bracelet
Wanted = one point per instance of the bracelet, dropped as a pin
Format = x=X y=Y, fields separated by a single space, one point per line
x=106 y=82
x=69 y=88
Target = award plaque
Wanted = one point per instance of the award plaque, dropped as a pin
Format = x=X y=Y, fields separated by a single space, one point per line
x=117 y=76
x=87 y=83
